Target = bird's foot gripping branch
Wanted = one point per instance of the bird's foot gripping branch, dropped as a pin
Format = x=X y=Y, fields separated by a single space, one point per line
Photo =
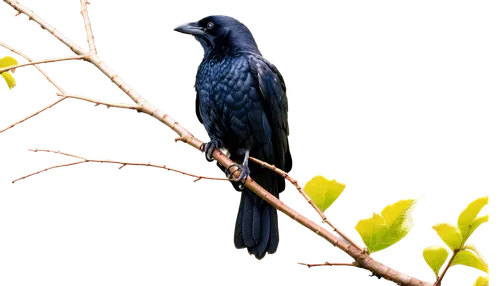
x=377 y=232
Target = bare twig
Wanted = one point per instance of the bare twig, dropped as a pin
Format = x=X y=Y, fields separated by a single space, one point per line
x=88 y=28
x=309 y=200
x=63 y=39
x=440 y=278
x=99 y=102
x=326 y=263
x=50 y=79
x=122 y=163
x=23 y=119
x=42 y=62
x=359 y=256
x=38 y=67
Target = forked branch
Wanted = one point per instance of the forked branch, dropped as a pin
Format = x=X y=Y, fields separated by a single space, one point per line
x=38 y=67
x=122 y=163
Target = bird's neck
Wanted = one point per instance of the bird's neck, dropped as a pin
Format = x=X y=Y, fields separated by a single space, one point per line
x=222 y=53
x=232 y=44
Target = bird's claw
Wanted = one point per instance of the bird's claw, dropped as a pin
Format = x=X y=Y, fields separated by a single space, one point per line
x=209 y=148
x=242 y=178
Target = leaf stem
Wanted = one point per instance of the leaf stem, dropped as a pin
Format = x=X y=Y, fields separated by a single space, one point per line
x=448 y=265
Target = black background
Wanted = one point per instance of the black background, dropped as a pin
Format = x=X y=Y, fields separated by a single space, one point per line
x=347 y=62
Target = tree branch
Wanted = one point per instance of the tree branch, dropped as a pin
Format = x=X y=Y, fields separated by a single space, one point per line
x=88 y=29
x=47 y=76
x=309 y=200
x=63 y=39
x=359 y=256
x=122 y=163
x=326 y=263
x=38 y=67
x=23 y=119
x=41 y=62
x=99 y=102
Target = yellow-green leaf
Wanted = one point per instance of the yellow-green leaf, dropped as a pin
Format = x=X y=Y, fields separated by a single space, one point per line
x=7 y=62
x=372 y=231
x=392 y=210
x=435 y=256
x=11 y=82
x=481 y=220
x=449 y=234
x=383 y=230
x=323 y=192
x=467 y=219
x=473 y=248
x=468 y=258
x=482 y=281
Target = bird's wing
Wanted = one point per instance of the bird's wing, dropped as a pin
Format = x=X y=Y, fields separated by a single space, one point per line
x=196 y=97
x=273 y=90
x=196 y=105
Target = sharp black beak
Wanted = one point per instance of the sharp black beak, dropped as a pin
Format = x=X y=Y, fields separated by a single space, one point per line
x=190 y=28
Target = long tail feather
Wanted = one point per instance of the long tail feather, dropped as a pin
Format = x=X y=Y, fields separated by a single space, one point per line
x=257 y=221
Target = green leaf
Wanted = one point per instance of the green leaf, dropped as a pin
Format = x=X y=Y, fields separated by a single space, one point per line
x=372 y=231
x=482 y=281
x=473 y=248
x=481 y=220
x=435 y=256
x=468 y=258
x=394 y=223
x=323 y=192
x=449 y=234
x=9 y=79
x=467 y=219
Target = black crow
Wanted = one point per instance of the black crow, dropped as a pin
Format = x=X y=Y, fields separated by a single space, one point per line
x=241 y=101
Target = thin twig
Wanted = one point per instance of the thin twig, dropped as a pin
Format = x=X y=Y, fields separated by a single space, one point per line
x=308 y=199
x=98 y=102
x=122 y=163
x=88 y=28
x=47 y=76
x=448 y=265
x=326 y=263
x=42 y=62
x=45 y=25
x=38 y=67
x=26 y=118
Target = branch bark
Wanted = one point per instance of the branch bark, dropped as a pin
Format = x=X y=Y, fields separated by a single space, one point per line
x=88 y=28
x=359 y=256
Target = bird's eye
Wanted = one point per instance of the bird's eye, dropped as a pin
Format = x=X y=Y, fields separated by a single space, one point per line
x=210 y=25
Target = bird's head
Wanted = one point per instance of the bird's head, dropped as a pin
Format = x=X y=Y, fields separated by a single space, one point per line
x=221 y=34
